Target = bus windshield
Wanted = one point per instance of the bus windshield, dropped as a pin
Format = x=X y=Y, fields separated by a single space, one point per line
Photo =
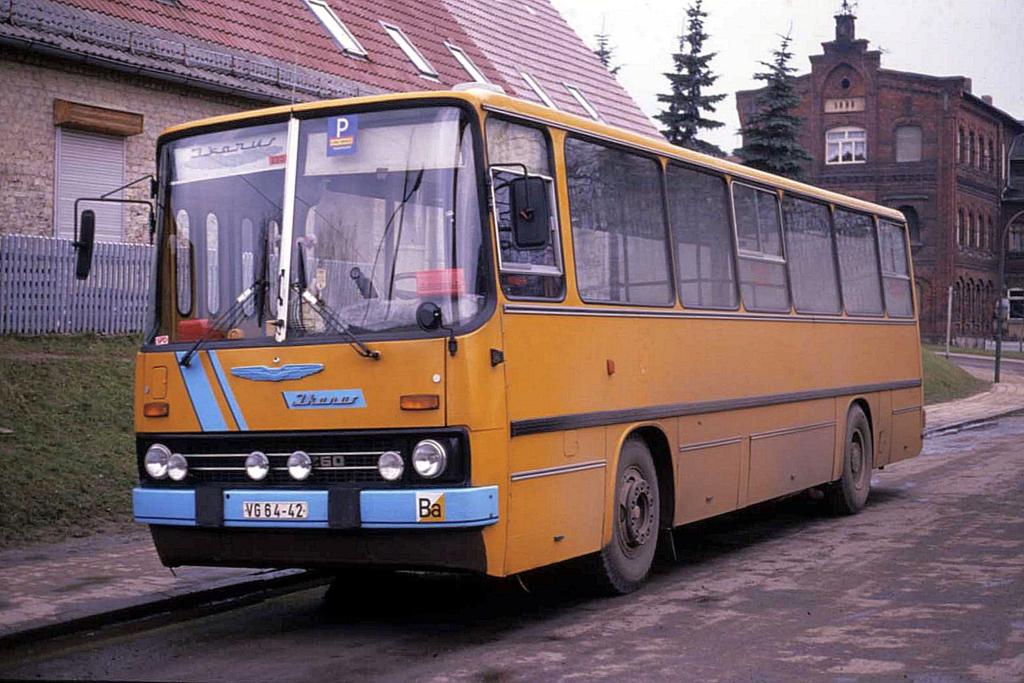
x=386 y=217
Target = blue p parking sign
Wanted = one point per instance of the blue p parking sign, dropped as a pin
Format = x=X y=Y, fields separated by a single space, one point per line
x=341 y=134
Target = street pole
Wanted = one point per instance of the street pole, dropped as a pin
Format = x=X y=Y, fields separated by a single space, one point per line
x=1000 y=287
x=949 y=317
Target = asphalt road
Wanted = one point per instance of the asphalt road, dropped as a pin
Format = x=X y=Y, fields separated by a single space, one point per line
x=1011 y=368
x=927 y=584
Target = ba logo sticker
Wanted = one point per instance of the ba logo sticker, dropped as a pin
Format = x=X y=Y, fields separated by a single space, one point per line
x=430 y=506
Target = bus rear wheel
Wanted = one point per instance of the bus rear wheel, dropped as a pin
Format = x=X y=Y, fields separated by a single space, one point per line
x=849 y=495
x=624 y=564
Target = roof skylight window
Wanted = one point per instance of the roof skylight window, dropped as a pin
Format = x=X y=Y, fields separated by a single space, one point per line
x=537 y=89
x=414 y=55
x=583 y=101
x=335 y=27
x=463 y=59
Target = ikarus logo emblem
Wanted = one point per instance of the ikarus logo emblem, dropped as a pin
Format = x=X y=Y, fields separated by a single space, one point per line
x=429 y=506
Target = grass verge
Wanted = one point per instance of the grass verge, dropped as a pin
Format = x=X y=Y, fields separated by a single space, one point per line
x=944 y=381
x=68 y=464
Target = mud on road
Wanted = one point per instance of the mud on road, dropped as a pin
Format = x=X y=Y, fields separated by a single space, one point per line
x=927 y=584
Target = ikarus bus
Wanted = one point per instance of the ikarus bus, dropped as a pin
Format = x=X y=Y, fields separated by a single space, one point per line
x=461 y=331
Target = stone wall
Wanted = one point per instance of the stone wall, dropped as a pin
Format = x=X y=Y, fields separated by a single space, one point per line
x=28 y=135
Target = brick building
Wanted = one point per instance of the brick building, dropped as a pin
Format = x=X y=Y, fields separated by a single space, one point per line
x=925 y=145
x=89 y=84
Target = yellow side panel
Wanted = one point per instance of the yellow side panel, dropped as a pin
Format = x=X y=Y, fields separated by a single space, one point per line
x=555 y=518
x=785 y=461
x=708 y=480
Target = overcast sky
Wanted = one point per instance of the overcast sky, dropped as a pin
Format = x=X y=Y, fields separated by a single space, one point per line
x=980 y=39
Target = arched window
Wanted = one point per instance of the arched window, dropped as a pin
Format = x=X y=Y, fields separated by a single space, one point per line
x=212 y=264
x=972 y=151
x=960 y=141
x=960 y=227
x=993 y=165
x=908 y=143
x=972 y=235
x=848 y=145
x=986 y=159
x=913 y=223
x=183 y=259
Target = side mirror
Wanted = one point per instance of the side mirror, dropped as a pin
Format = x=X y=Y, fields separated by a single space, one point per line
x=84 y=244
x=428 y=316
x=531 y=212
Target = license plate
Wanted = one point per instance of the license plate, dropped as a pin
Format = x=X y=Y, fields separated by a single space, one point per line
x=261 y=510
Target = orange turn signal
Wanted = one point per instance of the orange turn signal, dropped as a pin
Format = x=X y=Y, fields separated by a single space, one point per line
x=156 y=409
x=420 y=402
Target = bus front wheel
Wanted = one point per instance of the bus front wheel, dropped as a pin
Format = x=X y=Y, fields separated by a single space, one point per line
x=624 y=564
x=849 y=495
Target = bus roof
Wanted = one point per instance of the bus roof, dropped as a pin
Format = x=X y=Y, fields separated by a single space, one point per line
x=512 y=106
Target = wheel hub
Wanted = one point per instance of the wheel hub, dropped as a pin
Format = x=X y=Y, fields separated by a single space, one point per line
x=636 y=501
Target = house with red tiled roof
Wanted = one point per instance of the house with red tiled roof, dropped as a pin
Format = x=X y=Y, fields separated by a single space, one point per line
x=89 y=84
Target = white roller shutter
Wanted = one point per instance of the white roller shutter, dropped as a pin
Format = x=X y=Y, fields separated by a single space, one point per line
x=89 y=165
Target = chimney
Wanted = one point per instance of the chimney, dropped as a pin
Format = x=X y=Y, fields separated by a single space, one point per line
x=987 y=99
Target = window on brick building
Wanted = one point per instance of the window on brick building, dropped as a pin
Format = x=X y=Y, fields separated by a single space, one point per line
x=1016 y=241
x=960 y=142
x=908 y=143
x=960 y=227
x=971 y=234
x=913 y=223
x=972 y=150
x=89 y=165
x=846 y=146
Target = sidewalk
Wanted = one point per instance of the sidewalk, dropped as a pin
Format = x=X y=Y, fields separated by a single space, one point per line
x=1002 y=399
x=76 y=582
x=86 y=582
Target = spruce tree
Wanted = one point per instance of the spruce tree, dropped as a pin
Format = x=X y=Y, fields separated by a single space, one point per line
x=605 y=52
x=683 y=118
x=770 y=138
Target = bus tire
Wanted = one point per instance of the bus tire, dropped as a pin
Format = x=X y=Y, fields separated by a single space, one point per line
x=623 y=565
x=849 y=494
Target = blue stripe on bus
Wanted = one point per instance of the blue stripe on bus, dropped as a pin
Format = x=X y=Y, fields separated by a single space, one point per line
x=469 y=507
x=236 y=409
x=201 y=394
x=164 y=506
x=379 y=509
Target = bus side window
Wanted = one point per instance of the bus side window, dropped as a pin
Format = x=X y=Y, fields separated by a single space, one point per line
x=812 y=265
x=533 y=272
x=762 y=262
x=858 y=263
x=895 y=271
x=620 y=239
x=699 y=214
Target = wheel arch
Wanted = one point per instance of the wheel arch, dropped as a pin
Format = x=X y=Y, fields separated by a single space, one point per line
x=661 y=453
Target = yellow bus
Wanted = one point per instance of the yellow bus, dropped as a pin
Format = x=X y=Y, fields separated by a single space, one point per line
x=461 y=331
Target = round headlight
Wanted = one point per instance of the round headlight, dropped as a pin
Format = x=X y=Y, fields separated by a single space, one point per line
x=257 y=465
x=177 y=466
x=299 y=465
x=156 y=460
x=429 y=458
x=390 y=465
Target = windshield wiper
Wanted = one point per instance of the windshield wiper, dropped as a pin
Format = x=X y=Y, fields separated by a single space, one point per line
x=330 y=316
x=226 y=319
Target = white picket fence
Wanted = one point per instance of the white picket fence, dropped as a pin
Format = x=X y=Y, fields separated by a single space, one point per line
x=40 y=295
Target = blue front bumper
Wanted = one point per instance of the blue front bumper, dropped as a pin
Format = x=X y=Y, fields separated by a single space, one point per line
x=387 y=509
